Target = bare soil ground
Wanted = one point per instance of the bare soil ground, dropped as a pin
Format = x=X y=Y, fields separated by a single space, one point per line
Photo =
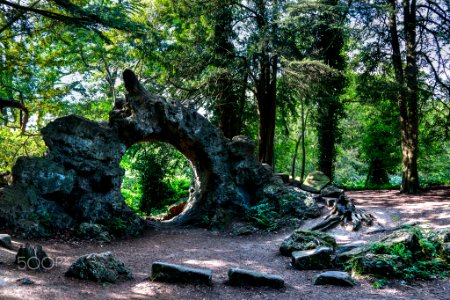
x=220 y=251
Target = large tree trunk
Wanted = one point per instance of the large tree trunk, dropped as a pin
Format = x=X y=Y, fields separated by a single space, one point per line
x=377 y=174
x=266 y=98
x=329 y=44
x=410 y=140
x=407 y=95
x=227 y=106
x=326 y=139
x=266 y=83
x=226 y=91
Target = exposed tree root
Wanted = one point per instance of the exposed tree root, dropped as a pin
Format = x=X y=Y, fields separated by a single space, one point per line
x=345 y=212
x=402 y=226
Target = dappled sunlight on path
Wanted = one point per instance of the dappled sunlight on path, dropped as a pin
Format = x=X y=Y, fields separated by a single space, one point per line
x=431 y=209
x=220 y=251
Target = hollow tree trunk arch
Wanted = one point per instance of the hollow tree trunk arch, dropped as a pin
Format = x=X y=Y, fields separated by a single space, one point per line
x=79 y=178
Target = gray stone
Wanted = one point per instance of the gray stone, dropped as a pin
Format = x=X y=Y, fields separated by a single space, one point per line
x=440 y=235
x=241 y=147
x=243 y=229
x=445 y=251
x=444 y=235
x=316 y=259
x=350 y=246
x=32 y=257
x=333 y=278
x=91 y=231
x=330 y=202
x=242 y=277
x=5 y=241
x=306 y=240
x=315 y=182
x=378 y=264
x=25 y=281
x=44 y=174
x=291 y=200
x=101 y=267
x=283 y=176
x=408 y=238
x=23 y=209
x=344 y=256
x=331 y=191
x=30 y=229
x=167 y=272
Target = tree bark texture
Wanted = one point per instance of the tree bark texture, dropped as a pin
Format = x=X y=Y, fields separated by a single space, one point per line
x=266 y=83
x=408 y=91
x=329 y=44
x=226 y=89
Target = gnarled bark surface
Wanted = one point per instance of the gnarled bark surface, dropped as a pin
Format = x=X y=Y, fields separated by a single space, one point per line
x=80 y=177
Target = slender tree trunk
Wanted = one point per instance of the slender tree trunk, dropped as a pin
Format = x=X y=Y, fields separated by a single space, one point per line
x=294 y=159
x=408 y=90
x=302 y=169
x=300 y=141
x=242 y=98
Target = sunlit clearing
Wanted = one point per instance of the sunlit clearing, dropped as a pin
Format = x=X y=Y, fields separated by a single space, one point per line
x=157 y=180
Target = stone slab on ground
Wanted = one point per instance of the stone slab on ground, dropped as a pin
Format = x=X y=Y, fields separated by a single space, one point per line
x=243 y=277
x=316 y=259
x=174 y=273
x=342 y=257
x=5 y=241
x=350 y=246
x=334 y=278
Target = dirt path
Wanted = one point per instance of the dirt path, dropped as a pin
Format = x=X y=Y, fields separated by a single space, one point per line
x=221 y=251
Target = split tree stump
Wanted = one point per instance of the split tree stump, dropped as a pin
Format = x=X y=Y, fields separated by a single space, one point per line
x=346 y=213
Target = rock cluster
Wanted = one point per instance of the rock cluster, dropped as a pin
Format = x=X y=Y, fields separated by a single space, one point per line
x=405 y=253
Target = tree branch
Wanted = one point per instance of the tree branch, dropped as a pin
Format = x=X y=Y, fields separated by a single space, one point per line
x=14 y=104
